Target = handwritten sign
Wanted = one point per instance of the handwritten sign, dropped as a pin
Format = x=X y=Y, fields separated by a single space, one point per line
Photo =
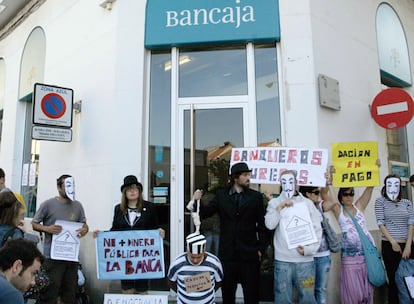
x=297 y=226
x=65 y=245
x=198 y=282
x=113 y=298
x=354 y=164
x=267 y=163
x=129 y=255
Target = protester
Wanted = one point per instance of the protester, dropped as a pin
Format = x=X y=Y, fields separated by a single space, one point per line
x=20 y=198
x=395 y=218
x=322 y=258
x=293 y=267
x=9 y=217
x=195 y=275
x=243 y=235
x=134 y=213
x=63 y=274
x=20 y=261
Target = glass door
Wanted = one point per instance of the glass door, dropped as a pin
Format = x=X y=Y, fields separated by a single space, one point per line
x=209 y=134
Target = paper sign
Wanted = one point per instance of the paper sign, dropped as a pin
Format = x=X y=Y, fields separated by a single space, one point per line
x=297 y=226
x=354 y=164
x=409 y=282
x=198 y=282
x=130 y=255
x=267 y=163
x=112 y=298
x=65 y=245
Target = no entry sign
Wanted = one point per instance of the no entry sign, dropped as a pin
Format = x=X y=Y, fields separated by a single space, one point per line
x=52 y=106
x=392 y=108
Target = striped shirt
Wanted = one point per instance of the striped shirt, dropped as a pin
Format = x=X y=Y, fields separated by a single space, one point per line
x=395 y=216
x=181 y=268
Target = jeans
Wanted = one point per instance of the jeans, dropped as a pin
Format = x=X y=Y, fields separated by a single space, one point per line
x=322 y=266
x=300 y=275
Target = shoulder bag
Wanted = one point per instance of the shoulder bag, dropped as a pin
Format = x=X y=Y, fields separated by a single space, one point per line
x=331 y=238
x=375 y=267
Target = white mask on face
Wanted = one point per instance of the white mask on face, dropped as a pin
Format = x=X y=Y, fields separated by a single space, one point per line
x=392 y=187
x=287 y=182
x=70 y=188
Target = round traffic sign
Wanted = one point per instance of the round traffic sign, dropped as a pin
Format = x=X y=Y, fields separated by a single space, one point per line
x=392 y=108
x=53 y=105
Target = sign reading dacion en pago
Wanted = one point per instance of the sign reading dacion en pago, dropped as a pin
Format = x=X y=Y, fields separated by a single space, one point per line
x=52 y=106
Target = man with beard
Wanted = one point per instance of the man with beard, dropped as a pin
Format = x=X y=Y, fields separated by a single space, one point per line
x=20 y=261
x=294 y=265
x=243 y=235
x=63 y=275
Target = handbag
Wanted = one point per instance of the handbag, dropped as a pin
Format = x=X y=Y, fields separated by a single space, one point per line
x=331 y=238
x=373 y=260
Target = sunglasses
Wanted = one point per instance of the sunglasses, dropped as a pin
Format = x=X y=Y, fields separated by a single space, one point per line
x=316 y=192
x=348 y=194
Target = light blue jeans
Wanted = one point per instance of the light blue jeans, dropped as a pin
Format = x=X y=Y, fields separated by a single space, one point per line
x=322 y=266
x=299 y=275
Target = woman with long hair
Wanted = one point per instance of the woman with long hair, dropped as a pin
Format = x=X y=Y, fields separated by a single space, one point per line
x=9 y=216
x=355 y=287
x=134 y=213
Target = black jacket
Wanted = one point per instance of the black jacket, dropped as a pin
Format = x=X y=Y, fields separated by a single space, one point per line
x=242 y=229
x=147 y=221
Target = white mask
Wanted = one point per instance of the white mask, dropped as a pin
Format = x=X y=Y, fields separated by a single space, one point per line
x=287 y=182
x=70 y=188
x=392 y=187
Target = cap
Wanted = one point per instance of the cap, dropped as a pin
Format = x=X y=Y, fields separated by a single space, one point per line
x=196 y=243
x=239 y=168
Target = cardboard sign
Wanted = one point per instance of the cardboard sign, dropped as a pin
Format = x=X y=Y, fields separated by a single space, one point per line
x=354 y=164
x=198 y=282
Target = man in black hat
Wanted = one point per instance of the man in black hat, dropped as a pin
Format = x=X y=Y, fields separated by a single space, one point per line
x=243 y=234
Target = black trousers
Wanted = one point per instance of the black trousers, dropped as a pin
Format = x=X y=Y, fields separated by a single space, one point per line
x=245 y=273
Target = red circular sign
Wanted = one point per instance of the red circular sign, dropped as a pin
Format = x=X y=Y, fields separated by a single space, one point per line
x=392 y=108
x=53 y=105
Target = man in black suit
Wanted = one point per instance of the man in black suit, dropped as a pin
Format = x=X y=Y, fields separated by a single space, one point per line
x=243 y=234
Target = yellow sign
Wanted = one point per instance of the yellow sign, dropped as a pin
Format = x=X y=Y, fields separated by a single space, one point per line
x=355 y=164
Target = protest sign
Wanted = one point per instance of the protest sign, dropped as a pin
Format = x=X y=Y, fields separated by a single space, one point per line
x=267 y=163
x=65 y=245
x=130 y=255
x=113 y=298
x=355 y=164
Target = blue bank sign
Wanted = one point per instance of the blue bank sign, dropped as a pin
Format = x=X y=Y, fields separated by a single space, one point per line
x=188 y=22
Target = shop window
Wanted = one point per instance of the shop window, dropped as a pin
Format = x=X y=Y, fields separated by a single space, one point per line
x=212 y=72
x=392 y=45
x=31 y=71
x=267 y=96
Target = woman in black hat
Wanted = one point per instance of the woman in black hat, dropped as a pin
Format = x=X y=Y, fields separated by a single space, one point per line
x=134 y=213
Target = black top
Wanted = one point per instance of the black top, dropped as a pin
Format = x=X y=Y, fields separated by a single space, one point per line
x=146 y=221
x=242 y=229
